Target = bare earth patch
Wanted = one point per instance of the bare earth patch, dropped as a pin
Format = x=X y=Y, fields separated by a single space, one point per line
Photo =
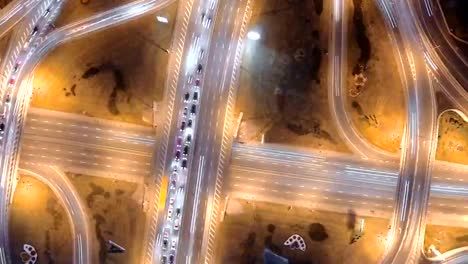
x=246 y=231
x=38 y=218
x=376 y=98
x=283 y=79
x=115 y=74
x=117 y=214
x=452 y=144
x=445 y=238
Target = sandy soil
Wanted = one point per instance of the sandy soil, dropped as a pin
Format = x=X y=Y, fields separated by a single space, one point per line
x=38 y=218
x=452 y=144
x=248 y=227
x=113 y=74
x=445 y=238
x=116 y=209
x=379 y=110
x=283 y=79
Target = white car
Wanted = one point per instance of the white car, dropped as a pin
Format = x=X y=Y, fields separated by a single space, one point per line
x=169 y=214
x=171 y=201
x=196 y=42
x=207 y=22
x=173 y=244
x=176 y=224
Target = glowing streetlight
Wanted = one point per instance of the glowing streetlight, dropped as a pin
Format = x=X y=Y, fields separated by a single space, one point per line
x=162 y=19
x=253 y=35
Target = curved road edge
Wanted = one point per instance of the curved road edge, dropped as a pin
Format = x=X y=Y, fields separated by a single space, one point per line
x=70 y=199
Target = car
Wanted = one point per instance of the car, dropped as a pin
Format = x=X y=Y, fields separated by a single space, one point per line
x=16 y=67
x=186 y=150
x=195 y=96
x=193 y=110
x=196 y=42
x=197 y=82
x=182 y=126
x=173 y=185
x=169 y=214
x=163 y=260
x=2 y=127
x=203 y=16
x=174 y=176
x=177 y=155
x=174 y=168
x=35 y=30
x=176 y=224
x=171 y=259
x=173 y=244
x=8 y=98
x=190 y=79
x=186 y=97
x=164 y=244
x=188 y=140
x=184 y=164
x=199 y=68
x=185 y=111
x=201 y=54
x=207 y=22
x=179 y=141
x=177 y=212
x=171 y=200
x=189 y=124
x=11 y=81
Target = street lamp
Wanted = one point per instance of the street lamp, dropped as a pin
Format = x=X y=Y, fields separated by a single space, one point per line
x=162 y=19
x=253 y=35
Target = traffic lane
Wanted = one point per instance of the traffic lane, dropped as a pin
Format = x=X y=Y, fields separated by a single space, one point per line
x=13 y=12
x=187 y=68
x=87 y=139
x=89 y=144
x=72 y=130
x=91 y=123
x=279 y=182
x=203 y=138
x=315 y=170
x=103 y=161
x=447 y=174
x=302 y=154
x=220 y=101
x=121 y=157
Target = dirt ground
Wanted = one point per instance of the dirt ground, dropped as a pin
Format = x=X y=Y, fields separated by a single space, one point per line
x=452 y=144
x=114 y=74
x=283 y=80
x=445 y=238
x=74 y=10
x=376 y=98
x=4 y=42
x=38 y=218
x=116 y=209
x=249 y=227
x=3 y=3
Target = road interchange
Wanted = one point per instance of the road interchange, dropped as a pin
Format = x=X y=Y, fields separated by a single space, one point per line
x=413 y=129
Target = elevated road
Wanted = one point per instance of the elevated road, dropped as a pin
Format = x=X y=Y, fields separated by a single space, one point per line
x=87 y=145
x=198 y=227
x=73 y=205
x=337 y=91
x=13 y=12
